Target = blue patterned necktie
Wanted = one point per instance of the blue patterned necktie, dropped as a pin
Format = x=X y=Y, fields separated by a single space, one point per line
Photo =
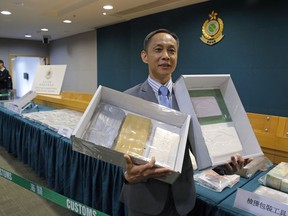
x=163 y=96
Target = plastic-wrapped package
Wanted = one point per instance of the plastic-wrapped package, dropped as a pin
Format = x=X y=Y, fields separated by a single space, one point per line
x=222 y=140
x=164 y=147
x=260 y=163
x=277 y=177
x=138 y=136
x=206 y=106
x=54 y=119
x=105 y=125
x=272 y=194
x=133 y=135
x=213 y=181
x=218 y=130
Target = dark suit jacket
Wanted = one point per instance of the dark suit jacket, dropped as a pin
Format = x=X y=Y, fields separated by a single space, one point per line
x=150 y=197
x=5 y=80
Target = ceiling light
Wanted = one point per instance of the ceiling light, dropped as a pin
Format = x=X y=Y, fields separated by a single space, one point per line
x=108 y=7
x=6 y=12
x=28 y=36
x=44 y=29
x=67 y=21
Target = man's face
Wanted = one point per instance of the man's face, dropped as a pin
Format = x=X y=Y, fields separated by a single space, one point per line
x=1 y=65
x=161 y=56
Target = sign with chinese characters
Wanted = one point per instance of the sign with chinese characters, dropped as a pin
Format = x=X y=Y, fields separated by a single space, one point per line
x=49 y=79
x=212 y=29
x=259 y=205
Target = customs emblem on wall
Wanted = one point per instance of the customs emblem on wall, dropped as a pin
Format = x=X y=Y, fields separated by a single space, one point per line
x=212 y=29
x=48 y=74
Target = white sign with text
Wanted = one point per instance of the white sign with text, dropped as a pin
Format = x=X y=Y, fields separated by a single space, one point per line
x=259 y=205
x=49 y=79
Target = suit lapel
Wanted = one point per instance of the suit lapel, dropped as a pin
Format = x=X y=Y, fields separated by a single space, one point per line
x=146 y=92
x=174 y=101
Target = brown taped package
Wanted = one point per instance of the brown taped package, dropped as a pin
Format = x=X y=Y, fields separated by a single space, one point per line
x=133 y=135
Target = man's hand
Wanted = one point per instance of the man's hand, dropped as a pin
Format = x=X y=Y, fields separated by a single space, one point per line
x=236 y=164
x=140 y=173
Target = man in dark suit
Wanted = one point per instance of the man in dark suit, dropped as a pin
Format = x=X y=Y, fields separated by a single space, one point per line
x=142 y=193
x=5 y=81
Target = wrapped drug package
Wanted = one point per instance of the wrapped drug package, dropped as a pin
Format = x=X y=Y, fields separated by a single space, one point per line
x=277 y=177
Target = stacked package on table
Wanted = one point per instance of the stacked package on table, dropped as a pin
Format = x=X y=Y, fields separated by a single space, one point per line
x=278 y=177
x=272 y=194
x=116 y=123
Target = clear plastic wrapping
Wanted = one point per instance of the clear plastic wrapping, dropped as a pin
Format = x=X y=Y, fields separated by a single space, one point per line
x=213 y=181
x=261 y=163
x=104 y=125
x=272 y=194
x=134 y=134
x=218 y=130
x=54 y=119
x=277 y=177
x=221 y=140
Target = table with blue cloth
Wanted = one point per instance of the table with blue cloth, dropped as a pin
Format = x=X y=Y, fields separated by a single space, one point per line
x=225 y=207
x=85 y=179
x=221 y=204
x=207 y=200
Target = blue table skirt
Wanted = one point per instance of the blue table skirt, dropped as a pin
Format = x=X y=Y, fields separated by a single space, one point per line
x=72 y=174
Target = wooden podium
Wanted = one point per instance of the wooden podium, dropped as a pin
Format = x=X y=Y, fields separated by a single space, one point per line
x=66 y=100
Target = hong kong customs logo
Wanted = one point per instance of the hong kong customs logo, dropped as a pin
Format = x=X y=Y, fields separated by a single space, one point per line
x=48 y=74
x=212 y=29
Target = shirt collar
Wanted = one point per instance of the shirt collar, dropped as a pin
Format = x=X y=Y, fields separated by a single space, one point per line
x=156 y=85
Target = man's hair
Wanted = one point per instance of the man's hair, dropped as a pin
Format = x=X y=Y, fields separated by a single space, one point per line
x=151 y=34
x=1 y=62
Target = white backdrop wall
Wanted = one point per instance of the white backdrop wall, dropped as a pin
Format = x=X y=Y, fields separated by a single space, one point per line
x=24 y=64
x=21 y=48
x=79 y=53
